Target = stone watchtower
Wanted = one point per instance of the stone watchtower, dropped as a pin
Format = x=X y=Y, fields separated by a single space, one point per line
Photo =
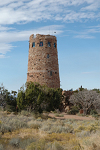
x=43 y=60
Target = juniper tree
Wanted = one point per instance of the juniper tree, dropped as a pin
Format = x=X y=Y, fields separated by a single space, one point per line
x=86 y=98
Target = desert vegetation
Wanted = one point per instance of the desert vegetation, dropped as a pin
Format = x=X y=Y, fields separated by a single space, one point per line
x=25 y=123
x=29 y=131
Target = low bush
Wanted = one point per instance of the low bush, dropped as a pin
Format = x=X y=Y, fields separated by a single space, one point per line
x=1 y=147
x=39 y=145
x=25 y=113
x=92 y=128
x=74 y=110
x=96 y=116
x=26 y=142
x=11 y=123
x=15 y=142
x=59 y=137
x=54 y=146
x=83 y=134
x=93 y=112
x=5 y=128
x=58 y=115
x=34 y=124
x=94 y=146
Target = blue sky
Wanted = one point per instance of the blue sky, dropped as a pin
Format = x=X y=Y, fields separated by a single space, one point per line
x=77 y=27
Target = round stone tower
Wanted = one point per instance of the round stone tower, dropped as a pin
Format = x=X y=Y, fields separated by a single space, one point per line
x=43 y=61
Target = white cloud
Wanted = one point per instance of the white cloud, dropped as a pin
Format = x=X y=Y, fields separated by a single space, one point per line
x=2 y=56
x=94 y=29
x=88 y=33
x=7 y=37
x=15 y=11
x=24 y=35
x=84 y=36
x=4 y=48
x=94 y=6
x=4 y=28
x=74 y=16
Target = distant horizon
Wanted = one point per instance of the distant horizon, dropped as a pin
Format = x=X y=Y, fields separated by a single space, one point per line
x=60 y=87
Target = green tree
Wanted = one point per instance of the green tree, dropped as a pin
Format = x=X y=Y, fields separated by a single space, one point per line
x=38 y=98
x=32 y=95
x=21 y=100
x=7 y=100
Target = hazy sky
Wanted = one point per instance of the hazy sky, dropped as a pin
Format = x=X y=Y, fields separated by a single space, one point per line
x=77 y=27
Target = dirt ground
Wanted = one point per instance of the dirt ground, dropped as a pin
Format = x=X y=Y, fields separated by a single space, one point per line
x=65 y=116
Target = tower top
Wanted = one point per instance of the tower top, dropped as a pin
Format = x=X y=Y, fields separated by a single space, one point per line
x=34 y=36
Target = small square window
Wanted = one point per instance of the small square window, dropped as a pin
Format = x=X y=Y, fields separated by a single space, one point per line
x=50 y=73
x=47 y=55
x=54 y=45
x=33 y=44
x=41 y=44
x=31 y=75
x=49 y=44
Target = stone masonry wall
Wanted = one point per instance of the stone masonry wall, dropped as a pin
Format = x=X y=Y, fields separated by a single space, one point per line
x=43 y=61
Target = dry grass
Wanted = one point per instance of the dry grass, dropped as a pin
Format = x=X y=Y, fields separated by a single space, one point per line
x=22 y=132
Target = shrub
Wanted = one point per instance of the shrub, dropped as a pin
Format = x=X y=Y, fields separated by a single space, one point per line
x=92 y=128
x=58 y=115
x=1 y=147
x=34 y=124
x=42 y=116
x=43 y=145
x=78 y=147
x=95 y=147
x=8 y=112
x=46 y=127
x=93 y=112
x=25 y=142
x=39 y=145
x=57 y=146
x=24 y=113
x=74 y=110
x=17 y=124
x=83 y=134
x=15 y=142
x=11 y=123
x=59 y=137
x=5 y=128
x=80 y=128
x=56 y=111
x=96 y=116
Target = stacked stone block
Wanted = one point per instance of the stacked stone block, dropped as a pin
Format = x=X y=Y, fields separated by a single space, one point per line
x=43 y=61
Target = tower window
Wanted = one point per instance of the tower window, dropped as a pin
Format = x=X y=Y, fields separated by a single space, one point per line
x=47 y=55
x=50 y=73
x=33 y=44
x=31 y=75
x=54 y=45
x=49 y=44
x=41 y=44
